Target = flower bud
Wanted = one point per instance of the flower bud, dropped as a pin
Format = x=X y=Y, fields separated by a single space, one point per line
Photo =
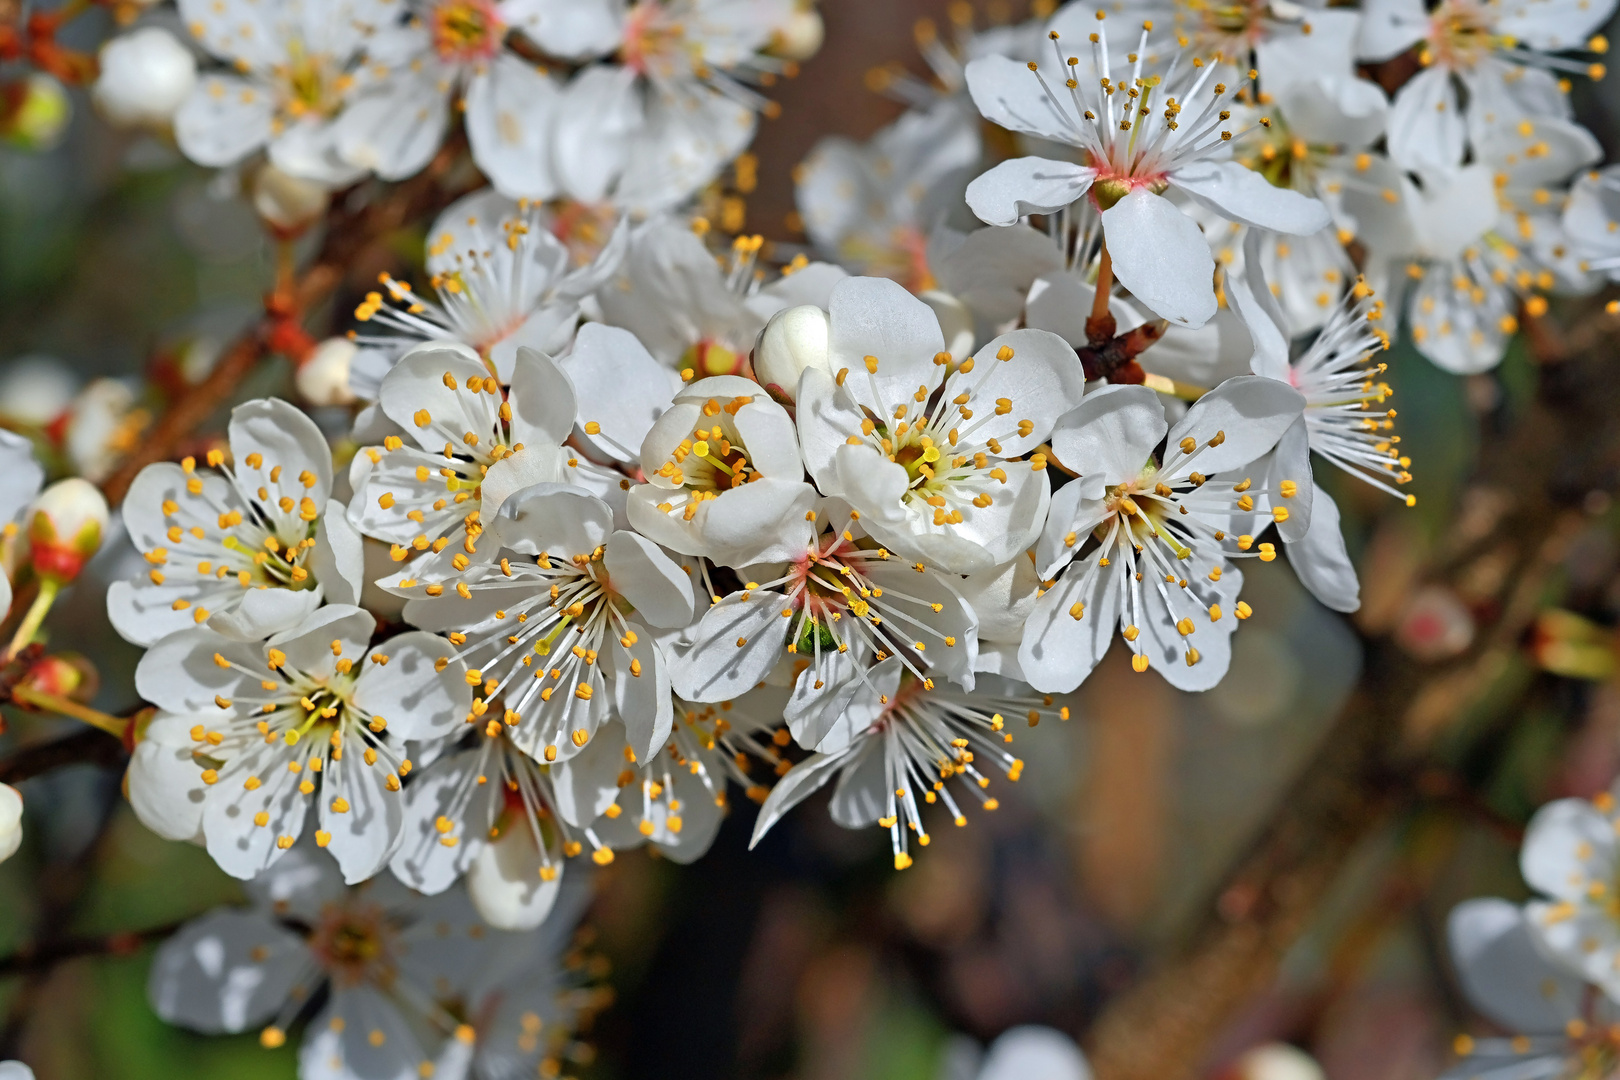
x=955 y=322
x=10 y=821
x=103 y=424
x=800 y=36
x=66 y=525
x=288 y=203
x=145 y=75
x=36 y=390
x=1277 y=1061
x=67 y=675
x=794 y=339
x=323 y=377
x=34 y=112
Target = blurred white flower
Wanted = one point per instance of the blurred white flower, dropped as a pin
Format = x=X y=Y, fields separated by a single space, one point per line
x=1500 y=54
x=409 y=985
x=871 y=206
x=1027 y=1052
x=288 y=203
x=323 y=378
x=452 y=53
x=11 y=831
x=677 y=92
x=293 y=72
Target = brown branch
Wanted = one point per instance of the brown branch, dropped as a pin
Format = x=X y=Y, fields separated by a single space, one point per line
x=88 y=746
x=348 y=232
x=31 y=960
x=1369 y=762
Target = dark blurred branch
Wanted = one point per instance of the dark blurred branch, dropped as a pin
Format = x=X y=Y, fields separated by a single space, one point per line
x=37 y=961
x=89 y=747
x=1370 y=762
x=349 y=230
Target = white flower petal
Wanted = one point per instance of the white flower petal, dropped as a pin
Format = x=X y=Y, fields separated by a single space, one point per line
x=417 y=701
x=510 y=110
x=1567 y=846
x=228 y=971
x=1251 y=411
x=801 y=781
x=1009 y=94
x=505 y=885
x=1322 y=563
x=621 y=389
x=1027 y=185
x=1111 y=434
x=1503 y=972
x=1427 y=132
x=1240 y=194
x=1160 y=255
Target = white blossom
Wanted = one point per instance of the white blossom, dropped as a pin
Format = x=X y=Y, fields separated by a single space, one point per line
x=315 y=714
x=1499 y=54
x=145 y=75
x=562 y=626
x=1149 y=133
x=252 y=547
x=674 y=105
x=897 y=747
x=294 y=62
x=1144 y=544
x=928 y=451
x=503 y=283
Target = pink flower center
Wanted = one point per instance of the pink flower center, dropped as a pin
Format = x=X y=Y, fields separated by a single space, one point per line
x=467 y=30
x=651 y=38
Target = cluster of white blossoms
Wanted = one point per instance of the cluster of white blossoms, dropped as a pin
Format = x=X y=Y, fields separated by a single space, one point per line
x=636 y=513
x=1158 y=146
x=637 y=105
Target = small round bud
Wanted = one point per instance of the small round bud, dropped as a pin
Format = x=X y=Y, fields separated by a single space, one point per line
x=955 y=322
x=66 y=525
x=11 y=807
x=323 y=377
x=67 y=675
x=1277 y=1061
x=288 y=203
x=794 y=339
x=145 y=75
x=102 y=426
x=34 y=112
x=35 y=390
x=800 y=36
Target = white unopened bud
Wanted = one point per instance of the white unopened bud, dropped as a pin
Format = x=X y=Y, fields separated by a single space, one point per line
x=800 y=36
x=323 y=378
x=289 y=203
x=36 y=390
x=145 y=75
x=66 y=525
x=1278 y=1061
x=955 y=322
x=10 y=821
x=103 y=423
x=794 y=339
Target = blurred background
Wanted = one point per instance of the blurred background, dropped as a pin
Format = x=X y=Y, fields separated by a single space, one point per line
x=810 y=957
